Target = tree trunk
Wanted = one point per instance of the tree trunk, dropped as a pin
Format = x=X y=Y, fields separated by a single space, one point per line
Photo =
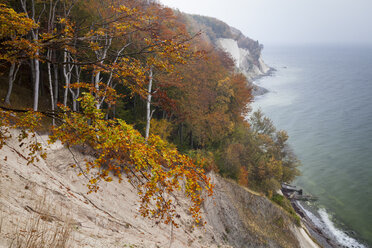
x=55 y=67
x=49 y=54
x=36 y=82
x=74 y=105
x=97 y=80
x=76 y=94
x=35 y=63
x=148 y=106
x=11 y=78
x=67 y=75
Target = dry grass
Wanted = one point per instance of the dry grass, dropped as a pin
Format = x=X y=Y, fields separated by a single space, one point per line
x=43 y=227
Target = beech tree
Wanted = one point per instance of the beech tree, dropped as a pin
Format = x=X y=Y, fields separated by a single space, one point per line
x=15 y=48
x=138 y=61
x=209 y=103
x=153 y=167
x=32 y=13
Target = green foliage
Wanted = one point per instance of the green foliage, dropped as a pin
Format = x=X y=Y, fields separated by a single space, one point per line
x=286 y=205
x=204 y=158
x=261 y=124
x=162 y=127
x=260 y=153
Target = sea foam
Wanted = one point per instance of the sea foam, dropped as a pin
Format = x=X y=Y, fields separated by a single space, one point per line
x=325 y=223
x=341 y=237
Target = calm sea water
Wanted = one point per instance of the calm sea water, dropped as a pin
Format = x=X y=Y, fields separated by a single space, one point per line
x=322 y=95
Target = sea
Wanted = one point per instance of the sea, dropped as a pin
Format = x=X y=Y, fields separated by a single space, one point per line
x=322 y=96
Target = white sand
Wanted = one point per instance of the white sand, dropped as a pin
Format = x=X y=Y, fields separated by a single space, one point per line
x=304 y=238
x=105 y=219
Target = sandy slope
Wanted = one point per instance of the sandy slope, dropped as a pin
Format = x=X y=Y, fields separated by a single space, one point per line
x=104 y=219
x=50 y=194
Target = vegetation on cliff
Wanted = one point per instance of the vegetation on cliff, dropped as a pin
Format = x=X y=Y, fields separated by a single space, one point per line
x=131 y=81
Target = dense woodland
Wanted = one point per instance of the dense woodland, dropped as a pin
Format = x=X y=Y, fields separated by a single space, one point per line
x=153 y=99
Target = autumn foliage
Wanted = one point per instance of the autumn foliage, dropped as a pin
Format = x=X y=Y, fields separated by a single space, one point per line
x=155 y=168
x=128 y=80
x=13 y=30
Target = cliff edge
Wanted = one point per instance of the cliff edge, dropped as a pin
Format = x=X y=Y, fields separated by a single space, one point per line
x=244 y=51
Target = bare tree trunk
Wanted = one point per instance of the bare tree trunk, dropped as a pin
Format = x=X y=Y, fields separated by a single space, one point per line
x=32 y=69
x=67 y=74
x=148 y=106
x=11 y=78
x=74 y=102
x=10 y=83
x=36 y=82
x=102 y=55
x=35 y=64
x=49 y=54
x=97 y=80
x=55 y=67
x=76 y=94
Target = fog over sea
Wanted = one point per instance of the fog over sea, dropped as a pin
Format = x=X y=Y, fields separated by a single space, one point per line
x=322 y=96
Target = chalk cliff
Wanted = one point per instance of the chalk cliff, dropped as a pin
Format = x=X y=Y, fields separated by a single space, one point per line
x=245 y=52
x=250 y=66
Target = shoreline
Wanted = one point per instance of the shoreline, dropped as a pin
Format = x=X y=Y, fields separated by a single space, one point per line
x=315 y=232
x=259 y=90
x=332 y=230
x=310 y=230
x=320 y=235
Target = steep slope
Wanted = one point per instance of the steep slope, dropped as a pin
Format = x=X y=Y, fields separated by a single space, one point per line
x=46 y=200
x=50 y=193
x=244 y=218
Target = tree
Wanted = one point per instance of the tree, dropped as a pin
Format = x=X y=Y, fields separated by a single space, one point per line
x=280 y=162
x=14 y=47
x=153 y=166
x=35 y=62
x=207 y=102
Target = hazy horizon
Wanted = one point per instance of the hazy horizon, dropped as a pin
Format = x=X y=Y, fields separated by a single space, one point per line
x=274 y=22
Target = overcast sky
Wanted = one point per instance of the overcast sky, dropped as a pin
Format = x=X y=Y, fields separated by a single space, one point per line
x=290 y=21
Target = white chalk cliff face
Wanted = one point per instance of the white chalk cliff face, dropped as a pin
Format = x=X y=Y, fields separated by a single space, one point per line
x=243 y=59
